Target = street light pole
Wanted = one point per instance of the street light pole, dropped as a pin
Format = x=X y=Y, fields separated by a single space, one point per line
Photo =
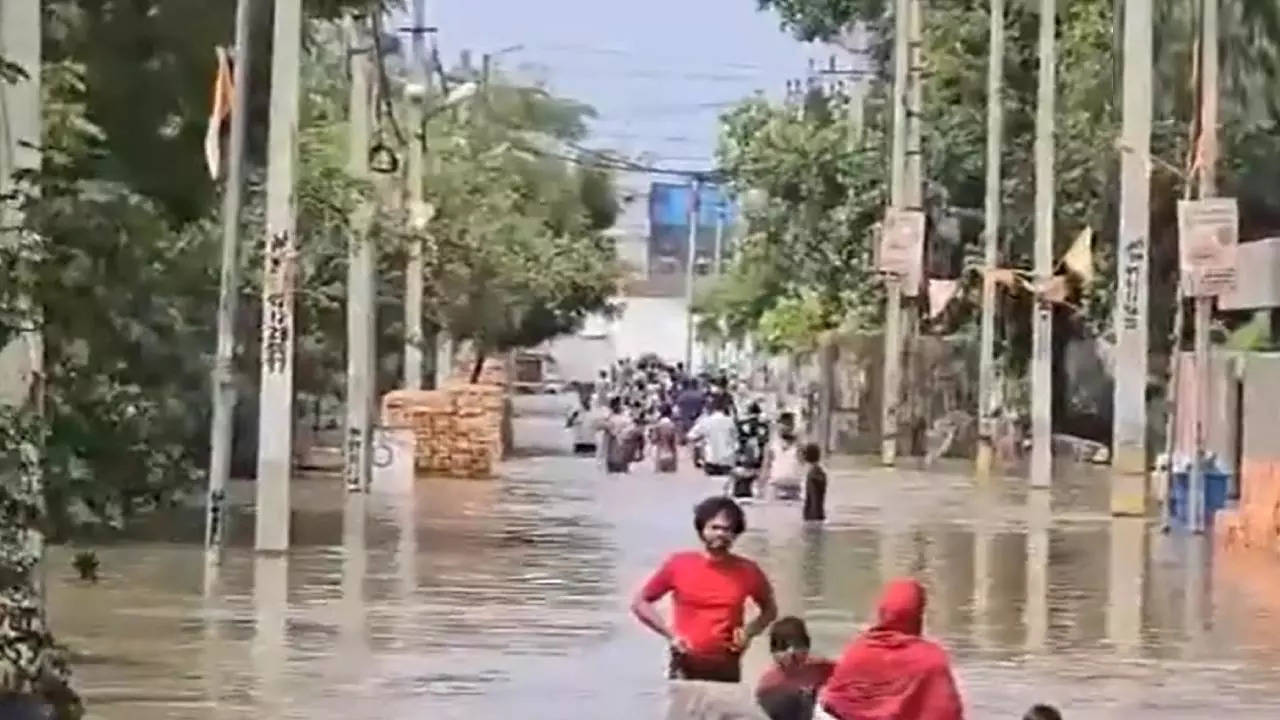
x=991 y=242
x=22 y=358
x=889 y=399
x=224 y=391
x=416 y=92
x=360 y=264
x=1129 y=429
x=1204 y=303
x=275 y=403
x=1042 y=317
x=689 y=274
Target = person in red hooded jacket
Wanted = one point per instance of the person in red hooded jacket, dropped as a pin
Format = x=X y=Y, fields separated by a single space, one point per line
x=889 y=672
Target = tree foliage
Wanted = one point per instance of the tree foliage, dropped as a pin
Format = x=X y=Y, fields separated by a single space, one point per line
x=808 y=243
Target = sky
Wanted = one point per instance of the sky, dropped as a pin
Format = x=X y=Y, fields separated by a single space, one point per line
x=658 y=72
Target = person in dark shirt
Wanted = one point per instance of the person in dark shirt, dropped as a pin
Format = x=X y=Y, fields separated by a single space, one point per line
x=815 y=484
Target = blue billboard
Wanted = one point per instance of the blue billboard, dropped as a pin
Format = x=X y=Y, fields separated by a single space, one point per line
x=669 y=210
x=669 y=205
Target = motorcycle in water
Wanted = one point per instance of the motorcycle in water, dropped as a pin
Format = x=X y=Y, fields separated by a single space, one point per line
x=753 y=433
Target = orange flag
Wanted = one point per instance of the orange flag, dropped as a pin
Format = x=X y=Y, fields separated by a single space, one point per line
x=218 y=113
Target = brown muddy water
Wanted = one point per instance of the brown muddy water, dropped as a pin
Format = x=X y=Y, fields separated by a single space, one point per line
x=475 y=600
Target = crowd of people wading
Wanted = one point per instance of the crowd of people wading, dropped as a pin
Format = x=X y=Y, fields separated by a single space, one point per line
x=650 y=410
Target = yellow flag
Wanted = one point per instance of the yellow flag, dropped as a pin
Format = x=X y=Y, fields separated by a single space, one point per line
x=941 y=293
x=218 y=113
x=1079 y=257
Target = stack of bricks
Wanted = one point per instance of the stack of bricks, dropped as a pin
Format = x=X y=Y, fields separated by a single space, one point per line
x=458 y=428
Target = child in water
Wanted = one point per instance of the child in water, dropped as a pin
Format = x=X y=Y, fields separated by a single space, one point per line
x=815 y=484
x=787 y=691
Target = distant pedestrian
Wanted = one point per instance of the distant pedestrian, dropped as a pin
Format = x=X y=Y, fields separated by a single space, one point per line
x=665 y=438
x=788 y=690
x=784 y=471
x=709 y=589
x=890 y=672
x=1042 y=712
x=584 y=423
x=617 y=438
x=719 y=435
x=815 y=484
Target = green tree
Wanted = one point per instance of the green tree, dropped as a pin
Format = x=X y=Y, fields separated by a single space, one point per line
x=518 y=250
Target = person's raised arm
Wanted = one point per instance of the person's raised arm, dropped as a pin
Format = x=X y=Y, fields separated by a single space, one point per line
x=762 y=594
x=642 y=606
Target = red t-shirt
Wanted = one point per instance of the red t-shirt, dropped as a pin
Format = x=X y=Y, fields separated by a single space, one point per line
x=708 y=597
x=813 y=674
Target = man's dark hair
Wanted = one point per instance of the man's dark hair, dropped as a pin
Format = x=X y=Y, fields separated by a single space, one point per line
x=1042 y=712
x=713 y=506
x=664 y=410
x=811 y=453
x=788 y=632
x=615 y=404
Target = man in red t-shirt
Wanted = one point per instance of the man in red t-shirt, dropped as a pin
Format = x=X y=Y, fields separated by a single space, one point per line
x=709 y=590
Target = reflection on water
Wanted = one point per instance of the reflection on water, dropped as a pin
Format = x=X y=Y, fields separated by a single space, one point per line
x=469 y=599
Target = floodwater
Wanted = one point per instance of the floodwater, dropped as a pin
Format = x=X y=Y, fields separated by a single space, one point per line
x=508 y=598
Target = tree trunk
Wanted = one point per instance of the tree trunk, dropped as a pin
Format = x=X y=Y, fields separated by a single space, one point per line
x=475 y=369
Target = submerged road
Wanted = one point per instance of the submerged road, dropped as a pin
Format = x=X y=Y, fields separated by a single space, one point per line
x=475 y=600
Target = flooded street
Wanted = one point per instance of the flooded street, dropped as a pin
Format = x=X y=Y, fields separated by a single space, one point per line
x=508 y=599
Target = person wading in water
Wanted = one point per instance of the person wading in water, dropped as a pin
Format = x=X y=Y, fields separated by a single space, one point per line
x=665 y=439
x=720 y=434
x=891 y=673
x=709 y=590
x=618 y=430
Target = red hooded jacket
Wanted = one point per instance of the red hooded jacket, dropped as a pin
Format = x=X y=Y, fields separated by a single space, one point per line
x=891 y=673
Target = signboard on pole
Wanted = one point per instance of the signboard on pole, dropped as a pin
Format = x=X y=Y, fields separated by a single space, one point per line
x=1257 y=276
x=1207 y=236
x=902 y=247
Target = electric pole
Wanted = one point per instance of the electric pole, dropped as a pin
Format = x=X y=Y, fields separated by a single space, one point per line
x=719 y=247
x=1208 y=165
x=224 y=389
x=360 y=265
x=991 y=242
x=22 y=358
x=893 y=284
x=695 y=188
x=275 y=396
x=1042 y=317
x=416 y=92
x=1129 y=429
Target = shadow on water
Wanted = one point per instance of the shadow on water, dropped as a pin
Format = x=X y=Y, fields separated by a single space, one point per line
x=472 y=597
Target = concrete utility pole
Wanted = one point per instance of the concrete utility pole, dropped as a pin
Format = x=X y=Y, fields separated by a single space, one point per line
x=224 y=389
x=360 y=265
x=275 y=396
x=719 y=251
x=22 y=359
x=893 y=284
x=416 y=93
x=1204 y=304
x=695 y=188
x=991 y=243
x=1129 y=429
x=1042 y=313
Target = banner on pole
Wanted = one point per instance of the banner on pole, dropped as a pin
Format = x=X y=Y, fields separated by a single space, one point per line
x=1208 y=231
x=902 y=247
